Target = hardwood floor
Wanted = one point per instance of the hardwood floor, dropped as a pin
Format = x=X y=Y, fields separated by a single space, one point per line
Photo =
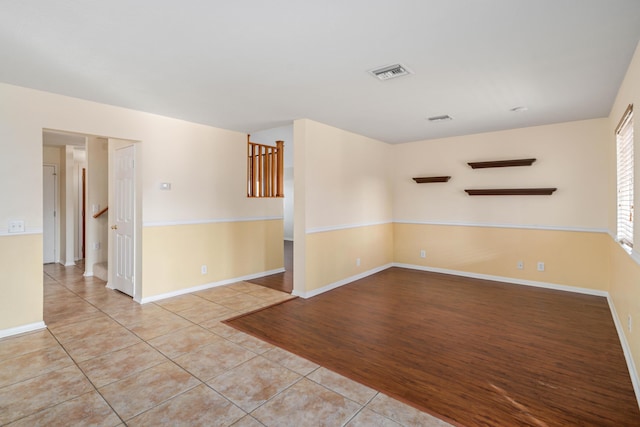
x=281 y=281
x=473 y=352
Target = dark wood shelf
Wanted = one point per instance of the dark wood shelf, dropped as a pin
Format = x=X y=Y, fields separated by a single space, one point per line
x=511 y=192
x=501 y=163
x=426 y=179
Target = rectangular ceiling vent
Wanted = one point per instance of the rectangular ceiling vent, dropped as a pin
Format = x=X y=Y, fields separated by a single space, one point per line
x=442 y=118
x=390 y=72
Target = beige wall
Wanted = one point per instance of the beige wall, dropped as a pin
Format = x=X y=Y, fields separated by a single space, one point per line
x=343 y=205
x=205 y=165
x=332 y=256
x=228 y=249
x=347 y=178
x=489 y=235
x=570 y=156
x=97 y=229
x=625 y=279
x=571 y=258
x=20 y=281
x=51 y=155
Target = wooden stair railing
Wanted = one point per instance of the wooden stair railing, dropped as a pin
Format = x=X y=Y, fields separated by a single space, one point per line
x=265 y=169
x=97 y=214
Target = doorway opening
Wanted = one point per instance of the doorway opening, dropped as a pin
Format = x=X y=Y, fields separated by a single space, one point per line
x=282 y=281
x=79 y=194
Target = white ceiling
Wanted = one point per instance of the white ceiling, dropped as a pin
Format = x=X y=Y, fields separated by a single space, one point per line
x=249 y=65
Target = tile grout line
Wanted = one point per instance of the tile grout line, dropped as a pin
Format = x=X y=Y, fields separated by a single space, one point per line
x=146 y=342
x=201 y=382
x=78 y=366
x=143 y=340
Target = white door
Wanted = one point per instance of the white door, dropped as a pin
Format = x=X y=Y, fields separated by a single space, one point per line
x=49 y=213
x=123 y=219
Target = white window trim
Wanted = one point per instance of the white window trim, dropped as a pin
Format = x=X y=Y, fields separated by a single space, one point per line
x=625 y=179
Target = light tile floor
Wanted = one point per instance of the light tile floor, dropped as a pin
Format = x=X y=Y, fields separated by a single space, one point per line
x=107 y=361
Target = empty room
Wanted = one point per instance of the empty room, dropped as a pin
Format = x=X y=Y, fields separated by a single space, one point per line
x=361 y=213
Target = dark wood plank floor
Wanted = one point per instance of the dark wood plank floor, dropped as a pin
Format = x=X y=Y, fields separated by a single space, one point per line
x=478 y=353
x=280 y=281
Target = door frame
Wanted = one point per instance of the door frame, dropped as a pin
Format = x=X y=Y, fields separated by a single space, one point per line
x=56 y=210
x=83 y=212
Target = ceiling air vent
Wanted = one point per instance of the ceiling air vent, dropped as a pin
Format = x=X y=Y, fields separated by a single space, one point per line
x=442 y=118
x=391 y=72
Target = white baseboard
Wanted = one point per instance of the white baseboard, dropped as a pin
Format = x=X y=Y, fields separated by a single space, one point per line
x=289 y=239
x=87 y=273
x=533 y=283
x=22 y=329
x=633 y=373
x=512 y=280
x=69 y=264
x=339 y=283
x=208 y=286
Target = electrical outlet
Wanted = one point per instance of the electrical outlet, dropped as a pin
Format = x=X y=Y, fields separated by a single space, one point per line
x=203 y=269
x=629 y=322
x=423 y=253
x=520 y=265
x=357 y=262
x=96 y=245
x=540 y=266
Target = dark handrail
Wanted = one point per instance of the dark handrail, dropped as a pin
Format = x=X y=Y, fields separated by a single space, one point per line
x=97 y=214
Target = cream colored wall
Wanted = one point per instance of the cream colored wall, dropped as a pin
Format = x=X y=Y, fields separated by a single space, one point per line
x=299 y=207
x=97 y=229
x=343 y=205
x=205 y=165
x=625 y=267
x=332 y=255
x=490 y=234
x=207 y=170
x=228 y=249
x=578 y=259
x=199 y=160
x=51 y=155
x=625 y=281
x=347 y=178
x=570 y=156
x=20 y=281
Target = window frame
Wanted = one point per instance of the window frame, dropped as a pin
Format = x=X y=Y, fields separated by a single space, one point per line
x=625 y=171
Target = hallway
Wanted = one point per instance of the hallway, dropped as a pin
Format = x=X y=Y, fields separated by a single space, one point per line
x=280 y=281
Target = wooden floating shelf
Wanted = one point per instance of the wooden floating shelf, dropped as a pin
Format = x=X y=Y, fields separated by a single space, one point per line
x=501 y=163
x=512 y=192
x=426 y=179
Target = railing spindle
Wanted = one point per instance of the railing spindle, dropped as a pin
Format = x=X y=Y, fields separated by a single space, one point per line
x=265 y=169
